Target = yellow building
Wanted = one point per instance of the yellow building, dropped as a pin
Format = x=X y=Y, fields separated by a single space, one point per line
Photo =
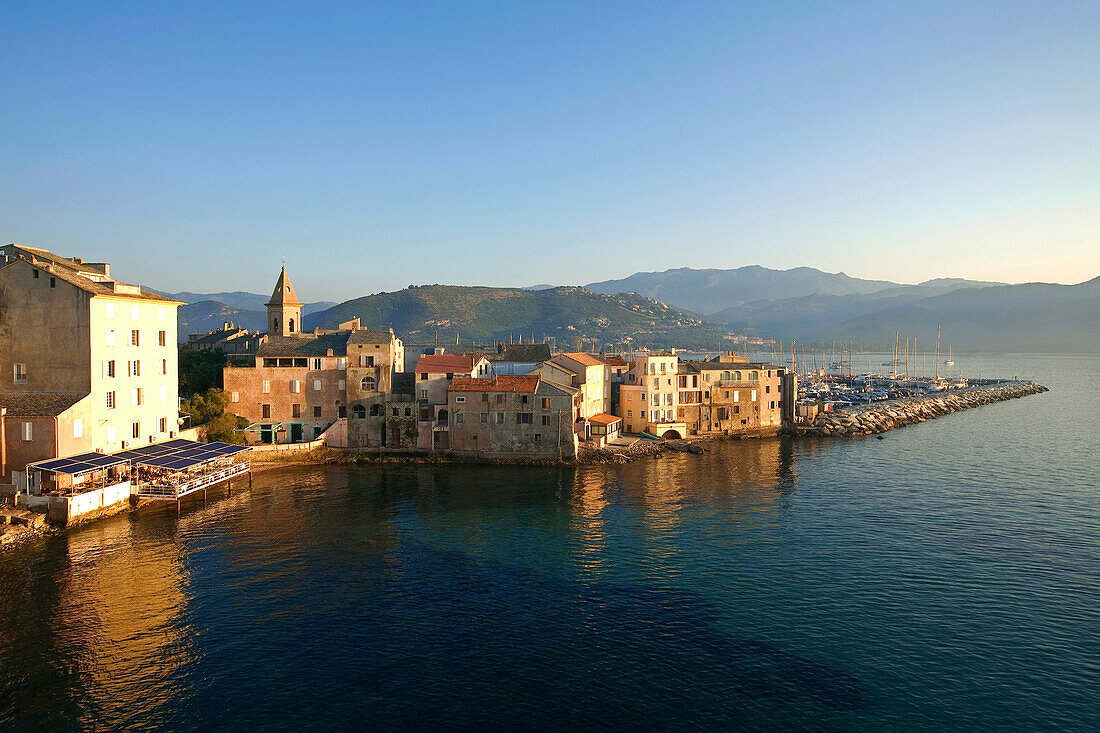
x=92 y=360
x=649 y=396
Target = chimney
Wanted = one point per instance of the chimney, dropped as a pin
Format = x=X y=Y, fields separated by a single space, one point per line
x=439 y=350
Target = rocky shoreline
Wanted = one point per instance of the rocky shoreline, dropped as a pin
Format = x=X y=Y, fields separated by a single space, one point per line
x=878 y=418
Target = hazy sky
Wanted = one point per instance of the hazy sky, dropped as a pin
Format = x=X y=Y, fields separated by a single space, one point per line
x=380 y=145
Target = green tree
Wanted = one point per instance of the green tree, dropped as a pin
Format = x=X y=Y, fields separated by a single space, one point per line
x=200 y=371
x=224 y=428
x=205 y=406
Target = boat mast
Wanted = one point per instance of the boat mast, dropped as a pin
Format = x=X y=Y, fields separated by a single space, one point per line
x=938 y=328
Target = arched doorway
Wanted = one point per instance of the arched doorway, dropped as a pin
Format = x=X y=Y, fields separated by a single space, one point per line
x=672 y=435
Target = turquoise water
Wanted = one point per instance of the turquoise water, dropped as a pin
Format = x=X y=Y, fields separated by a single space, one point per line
x=944 y=578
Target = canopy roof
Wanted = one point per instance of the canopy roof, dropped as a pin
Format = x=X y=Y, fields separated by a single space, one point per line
x=179 y=454
x=76 y=465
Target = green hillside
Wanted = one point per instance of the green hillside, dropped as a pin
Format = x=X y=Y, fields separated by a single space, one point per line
x=489 y=314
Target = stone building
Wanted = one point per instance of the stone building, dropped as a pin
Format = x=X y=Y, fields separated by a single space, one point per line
x=230 y=339
x=90 y=362
x=587 y=373
x=434 y=373
x=730 y=395
x=298 y=384
x=511 y=415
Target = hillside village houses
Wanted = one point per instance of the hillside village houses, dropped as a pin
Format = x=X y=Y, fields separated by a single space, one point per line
x=89 y=363
x=522 y=400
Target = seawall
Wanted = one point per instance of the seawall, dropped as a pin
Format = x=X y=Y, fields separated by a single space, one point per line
x=878 y=418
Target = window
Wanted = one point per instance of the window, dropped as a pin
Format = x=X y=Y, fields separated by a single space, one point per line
x=500 y=418
x=375 y=410
x=78 y=427
x=368 y=384
x=162 y=338
x=342 y=363
x=538 y=437
x=35 y=274
x=394 y=412
x=266 y=386
x=317 y=364
x=164 y=366
x=358 y=411
x=461 y=399
x=423 y=376
x=484 y=396
x=135 y=337
x=295 y=386
x=408 y=412
x=109 y=310
x=109 y=337
x=459 y=417
x=137 y=430
x=767 y=389
x=234 y=396
x=317 y=411
x=485 y=417
x=53 y=282
x=316 y=385
x=500 y=399
x=162 y=394
x=133 y=317
x=641 y=414
x=137 y=395
x=423 y=394
x=20 y=373
x=340 y=384
x=736 y=395
x=630 y=413
x=524 y=399
x=295 y=410
x=162 y=425
x=111 y=434
x=135 y=368
x=523 y=418
x=545 y=419
x=754 y=395
x=28 y=431
x=110 y=400
x=265 y=411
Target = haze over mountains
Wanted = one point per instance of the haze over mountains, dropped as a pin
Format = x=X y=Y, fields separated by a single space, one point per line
x=664 y=308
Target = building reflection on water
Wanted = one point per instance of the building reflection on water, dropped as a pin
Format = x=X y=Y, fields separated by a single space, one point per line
x=640 y=507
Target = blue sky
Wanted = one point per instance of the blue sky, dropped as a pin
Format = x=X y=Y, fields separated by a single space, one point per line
x=380 y=145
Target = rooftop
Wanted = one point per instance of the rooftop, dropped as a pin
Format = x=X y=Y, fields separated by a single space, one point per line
x=604 y=419
x=521 y=352
x=91 y=277
x=39 y=404
x=305 y=345
x=500 y=383
x=583 y=359
x=447 y=363
x=371 y=336
x=283 y=294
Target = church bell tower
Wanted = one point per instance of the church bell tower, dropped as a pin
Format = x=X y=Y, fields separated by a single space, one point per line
x=284 y=310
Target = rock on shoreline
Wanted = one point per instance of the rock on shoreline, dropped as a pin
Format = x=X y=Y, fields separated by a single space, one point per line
x=882 y=417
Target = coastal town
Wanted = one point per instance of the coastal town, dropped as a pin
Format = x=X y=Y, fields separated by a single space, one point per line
x=91 y=422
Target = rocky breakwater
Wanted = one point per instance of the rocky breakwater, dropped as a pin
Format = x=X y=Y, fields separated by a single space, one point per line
x=878 y=418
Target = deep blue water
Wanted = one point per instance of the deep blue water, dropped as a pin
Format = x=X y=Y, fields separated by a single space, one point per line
x=944 y=578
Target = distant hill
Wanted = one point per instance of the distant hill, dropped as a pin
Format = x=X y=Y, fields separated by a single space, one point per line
x=1033 y=317
x=209 y=315
x=488 y=314
x=244 y=301
x=208 y=311
x=709 y=291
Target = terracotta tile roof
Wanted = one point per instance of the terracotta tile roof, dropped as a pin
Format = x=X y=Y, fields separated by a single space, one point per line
x=584 y=359
x=615 y=361
x=69 y=270
x=444 y=363
x=500 y=383
x=305 y=345
x=39 y=404
x=604 y=419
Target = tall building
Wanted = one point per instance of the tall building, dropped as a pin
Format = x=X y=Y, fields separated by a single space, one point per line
x=87 y=362
x=284 y=310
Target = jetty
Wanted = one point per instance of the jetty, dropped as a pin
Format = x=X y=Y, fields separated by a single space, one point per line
x=880 y=417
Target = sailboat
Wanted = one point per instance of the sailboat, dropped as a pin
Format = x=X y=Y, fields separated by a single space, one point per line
x=949 y=361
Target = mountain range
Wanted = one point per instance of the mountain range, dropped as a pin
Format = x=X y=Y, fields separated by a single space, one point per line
x=663 y=309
